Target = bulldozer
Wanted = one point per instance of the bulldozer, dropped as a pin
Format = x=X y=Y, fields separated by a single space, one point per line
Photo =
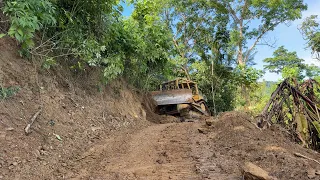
x=180 y=97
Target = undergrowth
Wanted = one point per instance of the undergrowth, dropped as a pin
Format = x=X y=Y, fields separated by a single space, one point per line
x=6 y=93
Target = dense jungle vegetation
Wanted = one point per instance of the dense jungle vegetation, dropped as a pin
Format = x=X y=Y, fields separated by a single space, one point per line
x=211 y=42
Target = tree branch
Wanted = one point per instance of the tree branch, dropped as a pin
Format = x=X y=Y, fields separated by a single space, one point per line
x=265 y=43
x=244 y=9
x=233 y=13
x=177 y=46
x=257 y=40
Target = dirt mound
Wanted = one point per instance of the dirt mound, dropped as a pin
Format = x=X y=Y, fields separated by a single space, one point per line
x=234 y=140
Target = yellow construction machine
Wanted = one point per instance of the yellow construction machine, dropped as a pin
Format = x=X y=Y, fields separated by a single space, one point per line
x=180 y=97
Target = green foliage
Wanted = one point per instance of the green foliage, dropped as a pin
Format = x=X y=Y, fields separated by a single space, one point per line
x=8 y=92
x=27 y=17
x=283 y=58
x=260 y=96
x=162 y=39
x=287 y=63
x=48 y=63
x=268 y=14
x=91 y=33
x=219 y=88
x=148 y=46
x=291 y=72
x=310 y=29
x=312 y=71
x=247 y=76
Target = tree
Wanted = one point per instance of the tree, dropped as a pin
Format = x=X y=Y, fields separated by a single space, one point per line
x=92 y=33
x=187 y=21
x=269 y=14
x=285 y=62
x=200 y=48
x=312 y=71
x=310 y=29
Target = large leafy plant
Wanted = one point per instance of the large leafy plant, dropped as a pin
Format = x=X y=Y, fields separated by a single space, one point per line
x=28 y=16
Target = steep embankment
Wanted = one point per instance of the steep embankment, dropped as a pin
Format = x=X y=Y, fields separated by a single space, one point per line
x=74 y=116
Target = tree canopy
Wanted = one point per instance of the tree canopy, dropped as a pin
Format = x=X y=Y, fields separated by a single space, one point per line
x=269 y=14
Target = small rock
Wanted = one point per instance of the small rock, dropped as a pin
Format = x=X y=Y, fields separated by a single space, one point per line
x=1 y=177
x=211 y=168
x=205 y=175
x=254 y=172
x=203 y=130
x=15 y=163
x=159 y=161
x=10 y=129
x=37 y=153
x=95 y=128
x=214 y=155
x=52 y=122
x=196 y=157
x=64 y=164
x=209 y=122
x=311 y=173
x=42 y=152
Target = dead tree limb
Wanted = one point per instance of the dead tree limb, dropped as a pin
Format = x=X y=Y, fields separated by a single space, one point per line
x=34 y=117
x=306 y=157
x=303 y=120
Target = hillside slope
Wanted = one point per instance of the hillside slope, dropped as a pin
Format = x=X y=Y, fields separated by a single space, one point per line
x=72 y=109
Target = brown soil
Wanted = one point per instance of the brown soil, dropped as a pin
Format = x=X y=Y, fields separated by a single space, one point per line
x=113 y=134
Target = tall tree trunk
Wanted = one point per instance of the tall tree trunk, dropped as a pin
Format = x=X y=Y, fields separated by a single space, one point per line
x=240 y=50
x=186 y=72
x=242 y=62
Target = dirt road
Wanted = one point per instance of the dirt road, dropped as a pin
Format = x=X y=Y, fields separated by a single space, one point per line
x=156 y=152
x=179 y=151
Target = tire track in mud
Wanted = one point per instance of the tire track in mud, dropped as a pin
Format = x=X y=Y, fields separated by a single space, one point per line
x=156 y=152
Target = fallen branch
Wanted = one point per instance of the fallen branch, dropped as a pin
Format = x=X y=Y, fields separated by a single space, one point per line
x=27 y=128
x=305 y=157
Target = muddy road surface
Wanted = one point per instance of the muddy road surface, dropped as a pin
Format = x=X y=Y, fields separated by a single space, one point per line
x=178 y=151
x=194 y=150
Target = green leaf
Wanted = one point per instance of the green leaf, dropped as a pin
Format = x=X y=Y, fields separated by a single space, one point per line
x=2 y=35
x=316 y=124
x=20 y=32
